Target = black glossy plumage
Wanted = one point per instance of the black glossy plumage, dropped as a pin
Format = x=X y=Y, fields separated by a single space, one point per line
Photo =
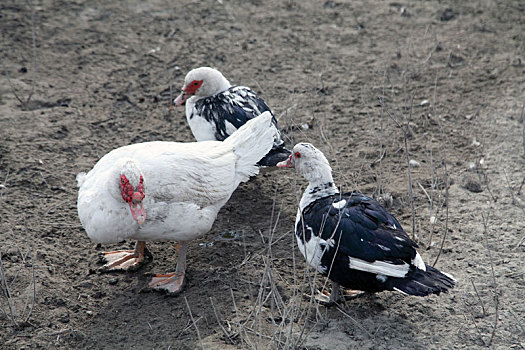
x=236 y=106
x=363 y=229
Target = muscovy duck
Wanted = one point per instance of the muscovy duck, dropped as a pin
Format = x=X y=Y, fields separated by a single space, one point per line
x=352 y=239
x=215 y=109
x=159 y=190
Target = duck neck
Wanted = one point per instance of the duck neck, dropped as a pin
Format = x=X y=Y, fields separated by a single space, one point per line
x=316 y=190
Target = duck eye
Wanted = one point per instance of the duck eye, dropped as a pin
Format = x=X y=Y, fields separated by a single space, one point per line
x=297 y=155
x=195 y=83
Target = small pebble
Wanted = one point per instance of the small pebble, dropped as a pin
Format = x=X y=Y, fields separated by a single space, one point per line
x=113 y=281
x=424 y=103
x=433 y=220
x=89 y=312
x=414 y=163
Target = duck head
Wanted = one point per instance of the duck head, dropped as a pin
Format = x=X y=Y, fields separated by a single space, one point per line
x=132 y=190
x=309 y=162
x=202 y=82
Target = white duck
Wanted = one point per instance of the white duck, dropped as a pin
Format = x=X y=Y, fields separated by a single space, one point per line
x=215 y=109
x=166 y=191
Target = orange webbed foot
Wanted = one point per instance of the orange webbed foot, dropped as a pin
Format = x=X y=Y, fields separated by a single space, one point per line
x=171 y=283
x=125 y=260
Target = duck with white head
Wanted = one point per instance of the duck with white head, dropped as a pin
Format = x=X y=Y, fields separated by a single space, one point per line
x=215 y=109
x=352 y=239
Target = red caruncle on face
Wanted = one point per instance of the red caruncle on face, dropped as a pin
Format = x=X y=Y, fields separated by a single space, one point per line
x=134 y=198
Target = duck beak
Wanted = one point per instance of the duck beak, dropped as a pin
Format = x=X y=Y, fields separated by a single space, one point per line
x=286 y=163
x=181 y=99
x=137 y=209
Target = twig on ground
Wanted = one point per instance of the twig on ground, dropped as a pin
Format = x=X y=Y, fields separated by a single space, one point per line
x=445 y=203
x=517 y=321
x=479 y=298
x=33 y=280
x=511 y=190
x=510 y=187
x=354 y=320
x=404 y=129
x=521 y=241
x=523 y=123
x=486 y=180
x=494 y=286
x=33 y=37
x=25 y=103
x=475 y=324
x=219 y=322
x=521 y=186
x=7 y=292
x=194 y=323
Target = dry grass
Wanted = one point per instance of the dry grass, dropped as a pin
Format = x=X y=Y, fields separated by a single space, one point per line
x=17 y=282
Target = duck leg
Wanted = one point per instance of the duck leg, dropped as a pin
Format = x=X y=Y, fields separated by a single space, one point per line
x=329 y=299
x=125 y=259
x=173 y=282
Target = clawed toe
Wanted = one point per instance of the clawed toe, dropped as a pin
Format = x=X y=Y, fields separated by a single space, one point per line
x=324 y=298
x=170 y=283
x=125 y=260
x=350 y=294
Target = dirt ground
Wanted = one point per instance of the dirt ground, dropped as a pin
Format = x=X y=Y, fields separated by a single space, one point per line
x=352 y=77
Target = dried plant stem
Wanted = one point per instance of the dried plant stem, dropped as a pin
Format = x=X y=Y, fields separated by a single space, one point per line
x=33 y=280
x=521 y=186
x=494 y=285
x=523 y=123
x=219 y=322
x=476 y=325
x=511 y=190
x=517 y=321
x=445 y=203
x=410 y=188
x=7 y=293
x=404 y=129
x=479 y=298
x=193 y=321
x=355 y=321
x=33 y=37
x=25 y=103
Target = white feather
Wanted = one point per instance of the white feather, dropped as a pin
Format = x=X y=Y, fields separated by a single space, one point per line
x=202 y=129
x=419 y=263
x=250 y=143
x=400 y=291
x=379 y=267
x=313 y=251
x=340 y=204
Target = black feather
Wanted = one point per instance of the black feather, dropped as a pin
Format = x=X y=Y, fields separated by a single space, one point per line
x=363 y=229
x=236 y=106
